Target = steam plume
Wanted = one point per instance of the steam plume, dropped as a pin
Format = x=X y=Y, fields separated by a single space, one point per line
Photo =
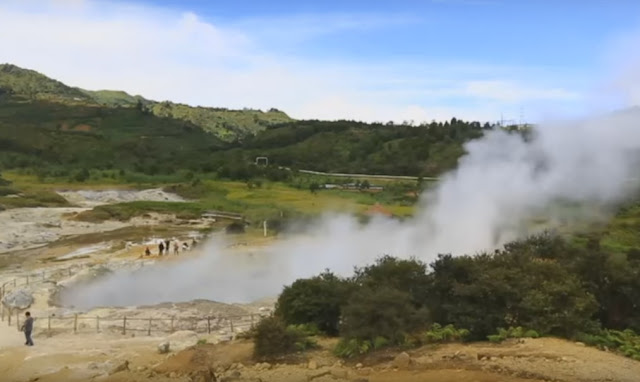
x=497 y=188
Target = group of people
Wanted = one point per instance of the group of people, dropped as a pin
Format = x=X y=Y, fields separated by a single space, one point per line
x=164 y=247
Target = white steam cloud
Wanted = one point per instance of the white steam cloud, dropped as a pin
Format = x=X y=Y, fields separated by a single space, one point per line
x=498 y=187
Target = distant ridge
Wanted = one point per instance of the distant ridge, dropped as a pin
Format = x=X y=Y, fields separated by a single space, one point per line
x=228 y=125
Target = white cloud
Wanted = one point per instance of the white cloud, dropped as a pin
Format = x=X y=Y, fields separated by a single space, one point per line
x=164 y=54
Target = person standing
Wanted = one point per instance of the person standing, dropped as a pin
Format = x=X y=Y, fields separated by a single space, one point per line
x=27 y=328
x=161 y=248
x=176 y=247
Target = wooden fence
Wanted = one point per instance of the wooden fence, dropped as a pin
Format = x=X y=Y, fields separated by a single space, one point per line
x=39 y=277
x=227 y=325
x=76 y=323
x=34 y=279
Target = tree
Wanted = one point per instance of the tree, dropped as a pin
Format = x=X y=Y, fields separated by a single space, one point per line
x=314 y=301
x=408 y=276
x=82 y=175
x=513 y=287
x=314 y=187
x=381 y=311
x=272 y=339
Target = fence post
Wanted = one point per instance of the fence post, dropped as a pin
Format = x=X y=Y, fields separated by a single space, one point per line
x=208 y=324
x=9 y=316
x=98 y=324
x=75 y=323
x=124 y=325
x=231 y=324
x=149 y=332
x=172 y=324
x=49 y=325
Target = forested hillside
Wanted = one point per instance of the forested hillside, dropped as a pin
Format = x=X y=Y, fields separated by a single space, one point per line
x=60 y=139
x=355 y=147
x=57 y=130
x=225 y=124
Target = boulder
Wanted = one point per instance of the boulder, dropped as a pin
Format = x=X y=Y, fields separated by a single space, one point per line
x=182 y=339
x=121 y=367
x=317 y=375
x=203 y=375
x=339 y=373
x=18 y=299
x=164 y=347
x=402 y=360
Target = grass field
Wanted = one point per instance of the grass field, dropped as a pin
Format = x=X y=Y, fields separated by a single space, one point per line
x=270 y=200
x=274 y=201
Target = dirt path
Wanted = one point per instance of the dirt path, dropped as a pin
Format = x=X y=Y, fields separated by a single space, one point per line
x=72 y=358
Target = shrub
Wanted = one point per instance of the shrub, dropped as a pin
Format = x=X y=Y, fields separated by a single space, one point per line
x=408 y=276
x=517 y=332
x=235 y=228
x=81 y=175
x=439 y=334
x=316 y=301
x=626 y=342
x=47 y=198
x=381 y=312
x=5 y=190
x=349 y=348
x=4 y=182
x=273 y=339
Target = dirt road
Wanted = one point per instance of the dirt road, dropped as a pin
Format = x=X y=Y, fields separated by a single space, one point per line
x=95 y=357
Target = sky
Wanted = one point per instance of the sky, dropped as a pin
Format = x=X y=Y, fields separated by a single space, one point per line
x=367 y=60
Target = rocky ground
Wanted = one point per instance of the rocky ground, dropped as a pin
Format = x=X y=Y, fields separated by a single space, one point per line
x=92 y=198
x=72 y=358
x=25 y=228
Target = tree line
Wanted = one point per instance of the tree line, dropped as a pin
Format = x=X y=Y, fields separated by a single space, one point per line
x=61 y=140
x=540 y=286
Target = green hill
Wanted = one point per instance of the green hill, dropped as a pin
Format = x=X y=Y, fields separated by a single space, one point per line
x=356 y=147
x=34 y=86
x=54 y=128
x=228 y=125
x=114 y=97
x=62 y=137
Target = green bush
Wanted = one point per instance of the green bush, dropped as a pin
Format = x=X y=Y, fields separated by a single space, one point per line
x=625 y=342
x=273 y=339
x=47 y=198
x=517 y=286
x=5 y=190
x=381 y=312
x=517 y=332
x=349 y=348
x=439 y=334
x=407 y=276
x=314 y=301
